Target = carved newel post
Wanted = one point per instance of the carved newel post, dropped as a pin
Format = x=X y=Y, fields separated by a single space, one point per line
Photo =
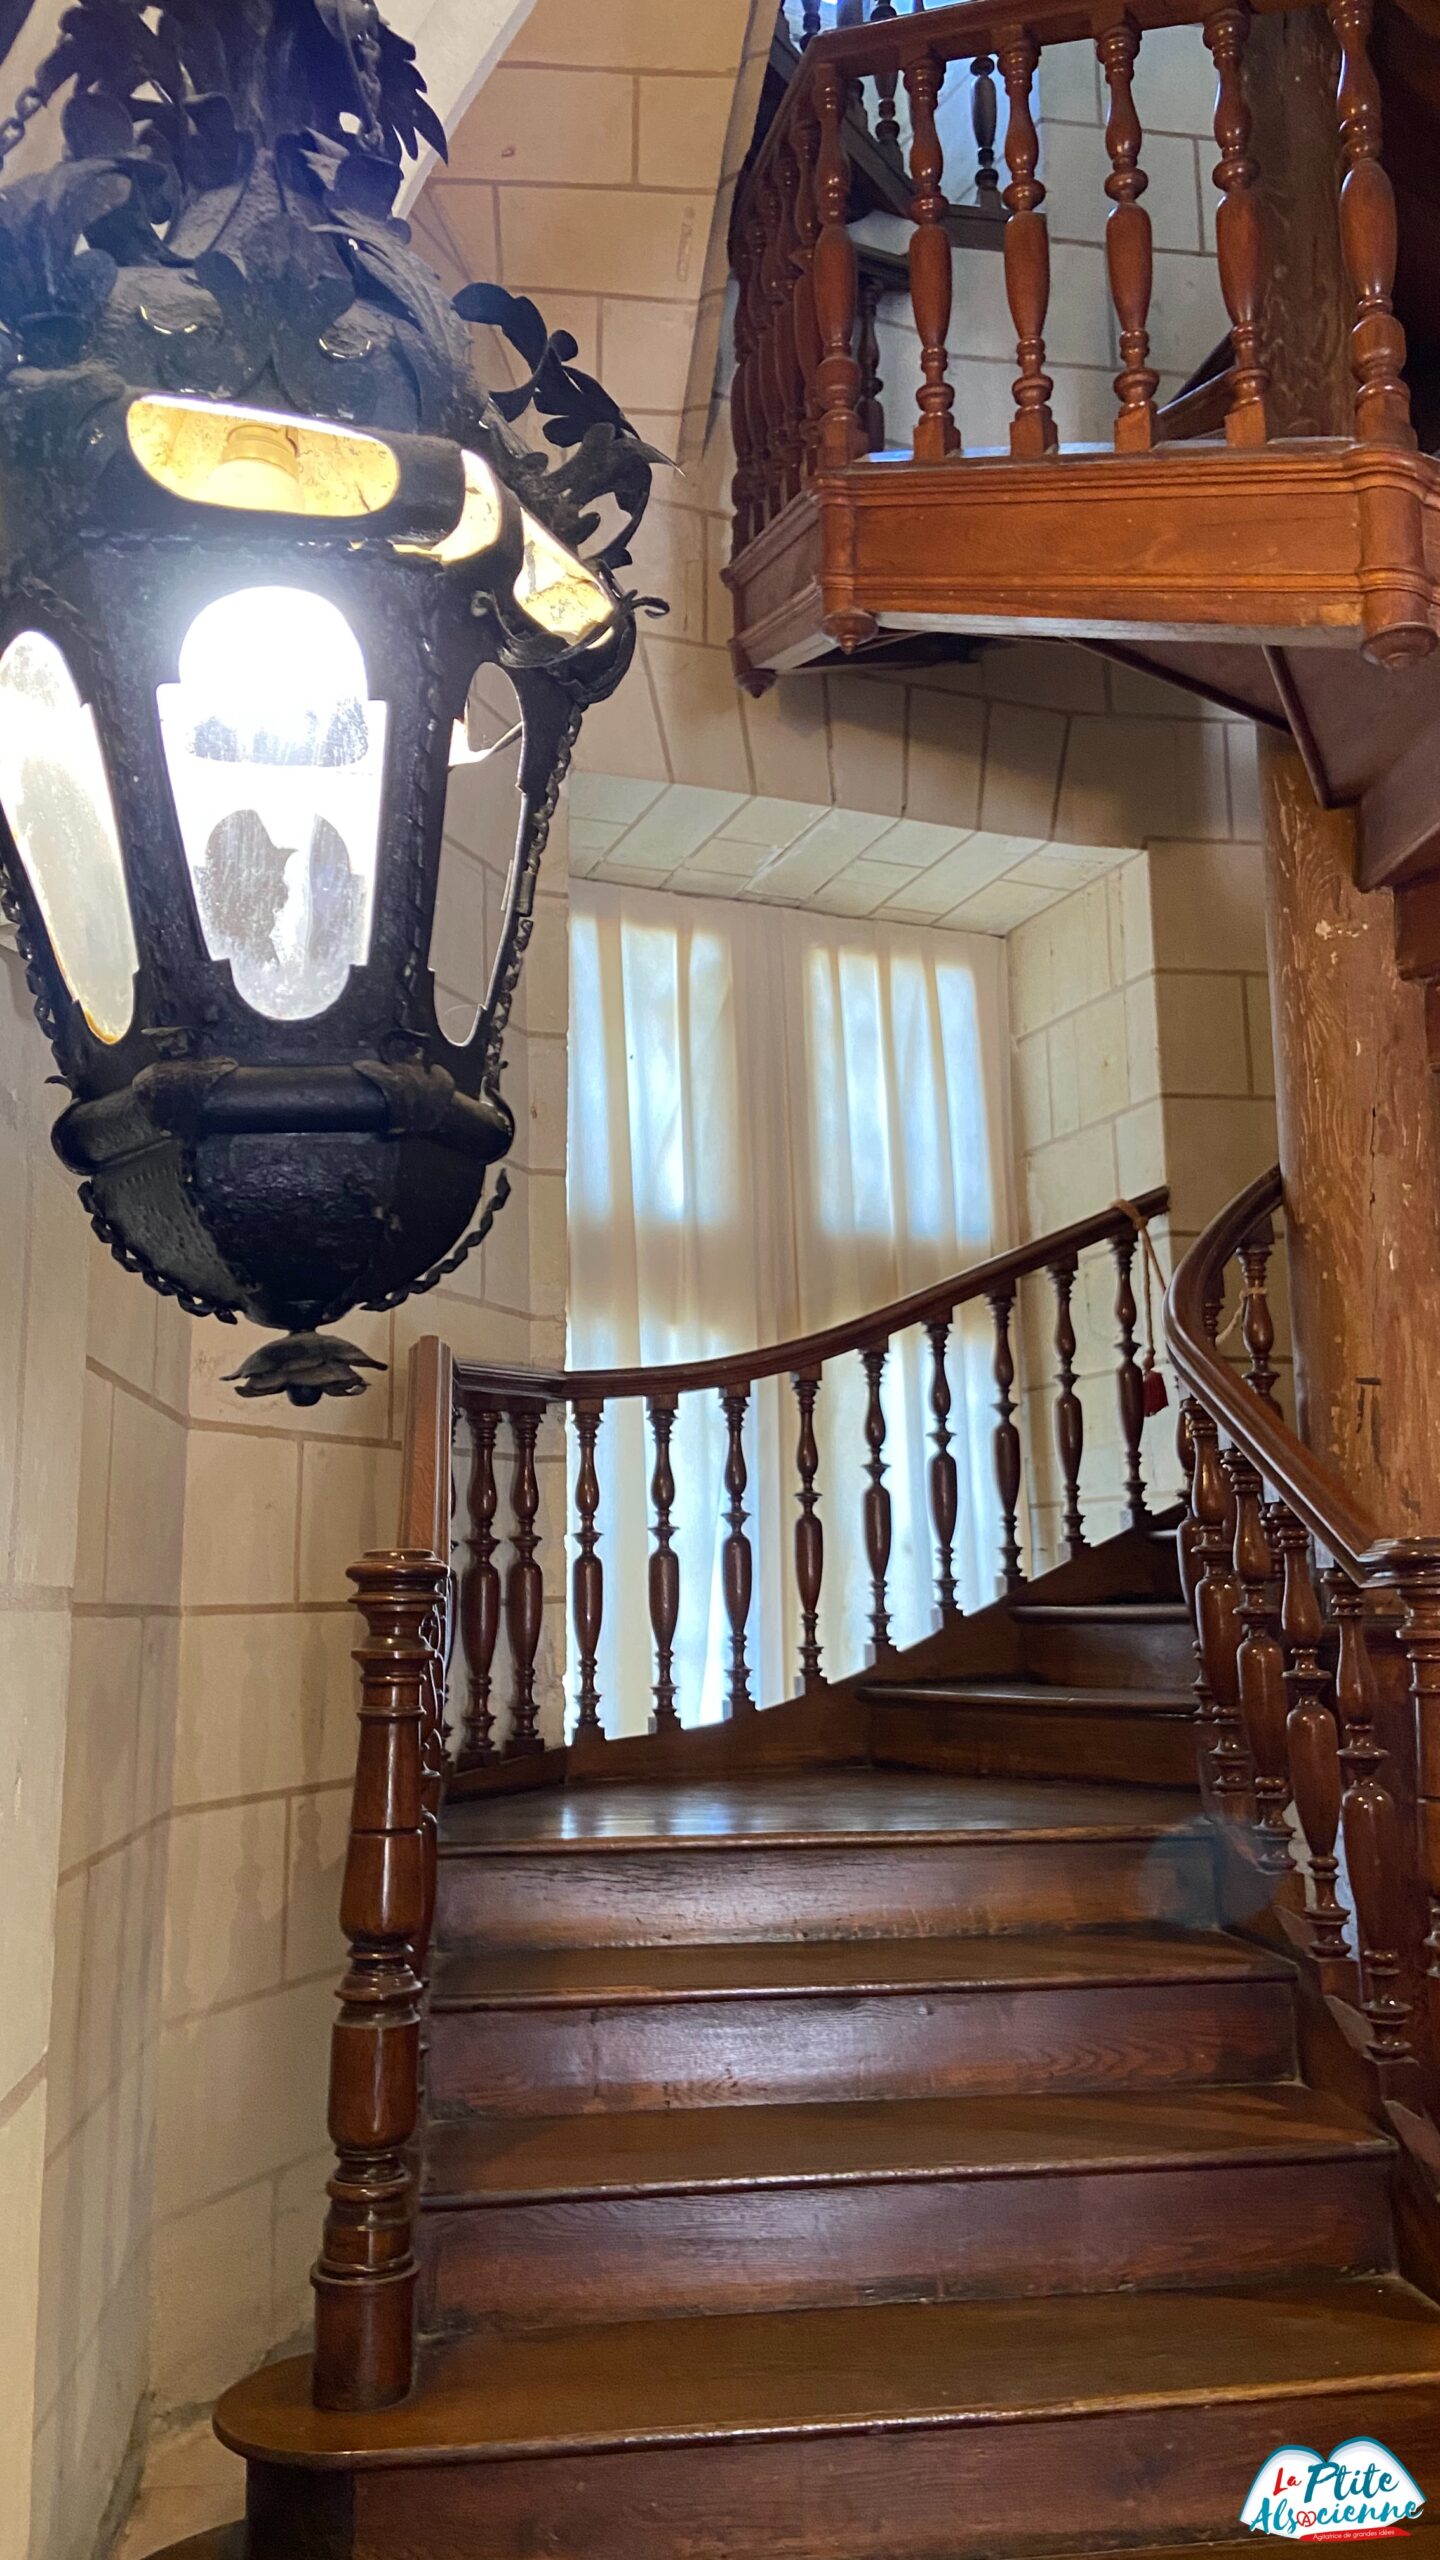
x=366 y=2276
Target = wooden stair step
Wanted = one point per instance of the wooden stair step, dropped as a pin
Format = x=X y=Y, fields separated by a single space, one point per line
x=862 y=1806
x=812 y=1968
x=1132 y=1642
x=482 y=2161
x=871 y=1853
x=1141 y=1610
x=996 y=1726
x=552 y=2220
x=526 y=2031
x=1036 y=1697
x=900 y=2429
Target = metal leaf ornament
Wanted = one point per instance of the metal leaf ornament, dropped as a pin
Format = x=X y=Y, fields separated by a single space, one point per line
x=223 y=227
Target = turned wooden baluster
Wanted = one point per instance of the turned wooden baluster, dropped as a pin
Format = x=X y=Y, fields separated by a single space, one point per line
x=664 y=1564
x=1257 y=1325
x=1128 y=248
x=1217 y=1621
x=1069 y=1417
x=742 y=486
x=784 y=357
x=525 y=1582
x=1369 y=238
x=1190 y=1566
x=737 y=1569
x=1314 y=1743
x=809 y=1534
x=1027 y=252
x=867 y=355
x=1129 y=1383
x=944 y=1475
x=984 y=119
x=804 y=319
x=773 y=290
x=588 y=1579
x=809 y=22
x=1237 y=225
x=841 y=438
x=931 y=272
x=1371 y=1827
x=756 y=378
x=1260 y=1666
x=877 y=1500
x=480 y=1596
x=887 y=123
x=1001 y=1303
x=366 y=2276
x=1412 y=1569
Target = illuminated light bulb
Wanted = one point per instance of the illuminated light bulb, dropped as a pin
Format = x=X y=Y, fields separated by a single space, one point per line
x=259 y=470
x=263 y=461
x=557 y=590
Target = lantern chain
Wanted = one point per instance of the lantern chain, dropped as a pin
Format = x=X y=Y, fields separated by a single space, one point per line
x=523 y=923
x=136 y=1264
x=446 y=1269
x=17 y=124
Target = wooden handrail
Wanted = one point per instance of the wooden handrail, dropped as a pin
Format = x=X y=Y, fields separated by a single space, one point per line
x=809 y=418
x=885 y=48
x=1296 y=1726
x=1312 y=1491
x=732 y=1371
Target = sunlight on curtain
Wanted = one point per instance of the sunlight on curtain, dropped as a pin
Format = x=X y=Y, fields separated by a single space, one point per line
x=777 y=1121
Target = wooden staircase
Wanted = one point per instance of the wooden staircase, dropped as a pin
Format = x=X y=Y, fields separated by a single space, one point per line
x=911 y=2157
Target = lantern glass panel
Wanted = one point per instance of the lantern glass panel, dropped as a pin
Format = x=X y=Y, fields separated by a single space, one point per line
x=556 y=589
x=56 y=796
x=482 y=819
x=277 y=764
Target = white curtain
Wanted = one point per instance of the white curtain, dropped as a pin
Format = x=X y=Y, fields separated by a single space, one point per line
x=778 y=1121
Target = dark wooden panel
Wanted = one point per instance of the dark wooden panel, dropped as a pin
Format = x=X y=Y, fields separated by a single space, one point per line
x=715 y=2052
x=605 y=2258
x=971 y=2494
x=984 y=1741
x=800 y=1809
x=1109 y=1646
x=653 y=1898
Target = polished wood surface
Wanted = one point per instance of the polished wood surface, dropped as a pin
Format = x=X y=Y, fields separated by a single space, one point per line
x=710 y=2210
x=366 y=2275
x=604 y=1977
x=546 y=2159
x=897 y=2364
x=793 y=1811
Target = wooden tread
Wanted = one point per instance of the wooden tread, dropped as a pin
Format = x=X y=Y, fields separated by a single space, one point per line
x=1035 y=1697
x=483 y=2161
x=864 y=1807
x=896 y=2367
x=548 y=2222
x=605 y=1977
x=1143 y=1611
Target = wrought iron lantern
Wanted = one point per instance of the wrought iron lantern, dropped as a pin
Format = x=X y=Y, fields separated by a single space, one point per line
x=260 y=532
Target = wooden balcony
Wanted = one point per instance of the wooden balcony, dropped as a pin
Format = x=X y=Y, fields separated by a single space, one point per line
x=1297 y=578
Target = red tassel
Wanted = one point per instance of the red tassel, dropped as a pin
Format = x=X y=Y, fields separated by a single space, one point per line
x=1156 y=1393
